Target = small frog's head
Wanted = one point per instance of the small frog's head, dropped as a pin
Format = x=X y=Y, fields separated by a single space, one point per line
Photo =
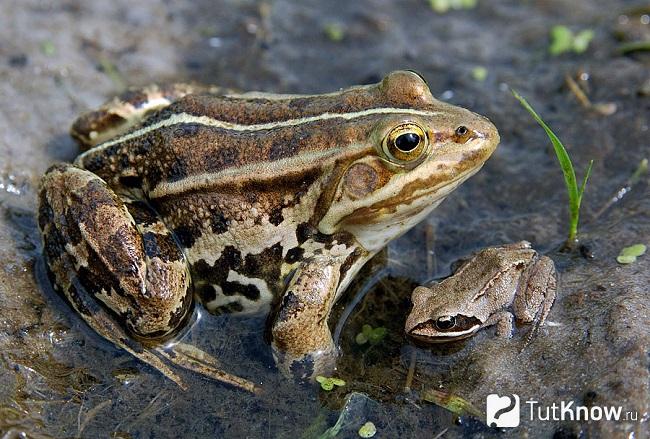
x=435 y=319
x=417 y=151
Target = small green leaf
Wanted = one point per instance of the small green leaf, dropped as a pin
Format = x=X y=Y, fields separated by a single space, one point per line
x=634 y=250
x=561 y=40
x=334 y=32
x=625 y=259
x=377 y=335
x=629 y=254
x=582 y=40
x=479 y=73
x=327 y=385
x=368 y=430
x=48 y=48
x=361 y=338
x=440 y=6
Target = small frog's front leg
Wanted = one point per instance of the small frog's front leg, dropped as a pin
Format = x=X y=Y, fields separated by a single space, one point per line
x=119 y=267
x=504 y=321
x=302 y=342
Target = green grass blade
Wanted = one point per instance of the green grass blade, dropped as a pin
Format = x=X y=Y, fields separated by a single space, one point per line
x=565 y=164
x=584 y=181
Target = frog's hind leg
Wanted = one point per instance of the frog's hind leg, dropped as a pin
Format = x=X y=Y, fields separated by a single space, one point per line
x=127 y=110
x=537 y=295
x=64 y=219
x=115 y=262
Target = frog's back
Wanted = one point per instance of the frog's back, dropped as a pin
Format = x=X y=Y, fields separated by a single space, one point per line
x=239 y=179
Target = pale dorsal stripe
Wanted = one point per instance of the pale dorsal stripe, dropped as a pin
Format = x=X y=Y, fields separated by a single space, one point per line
x=181 y=118
x=253 y=171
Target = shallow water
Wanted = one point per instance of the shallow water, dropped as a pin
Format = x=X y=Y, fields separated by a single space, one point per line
x=57 y=378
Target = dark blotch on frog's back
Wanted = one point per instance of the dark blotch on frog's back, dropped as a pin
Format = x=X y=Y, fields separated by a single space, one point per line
x=142 y=214
x=161 y=246
x=294 y=255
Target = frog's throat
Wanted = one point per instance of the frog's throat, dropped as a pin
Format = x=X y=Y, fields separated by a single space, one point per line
x=383 y=227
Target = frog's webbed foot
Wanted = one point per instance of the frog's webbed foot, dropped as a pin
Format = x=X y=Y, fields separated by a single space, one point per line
x=535 y=295
x=301 y=340
x=198 y=361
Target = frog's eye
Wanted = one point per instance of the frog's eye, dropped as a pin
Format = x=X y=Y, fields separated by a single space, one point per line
x=405 y=143
x=445 y=323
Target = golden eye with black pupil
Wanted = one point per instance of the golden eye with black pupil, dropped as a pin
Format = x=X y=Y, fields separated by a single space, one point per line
x=405 y=143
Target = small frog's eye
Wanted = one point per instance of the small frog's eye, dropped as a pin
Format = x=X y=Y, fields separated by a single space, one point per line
x=445 y=322
x=405 y=143
x=462 y=134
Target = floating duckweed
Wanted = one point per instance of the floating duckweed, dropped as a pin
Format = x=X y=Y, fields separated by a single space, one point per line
x=629 y=254
x=442 y=6
x=368 y=430
x=48 y=48
x=328 y=384
x=479 y=73
x=564 y=40
x=334 y=32
x=370 y=334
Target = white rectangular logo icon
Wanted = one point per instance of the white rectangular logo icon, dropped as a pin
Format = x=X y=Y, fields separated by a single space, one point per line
x=502 y=411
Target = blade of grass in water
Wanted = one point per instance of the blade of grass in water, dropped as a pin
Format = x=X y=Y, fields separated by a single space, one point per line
x=575 y=192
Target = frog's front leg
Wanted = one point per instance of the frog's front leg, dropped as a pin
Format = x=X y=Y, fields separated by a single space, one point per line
x=118 y=266
x=302 y=342
x=504 y=321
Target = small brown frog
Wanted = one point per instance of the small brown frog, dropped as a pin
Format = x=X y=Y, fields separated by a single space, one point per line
x=486 y=289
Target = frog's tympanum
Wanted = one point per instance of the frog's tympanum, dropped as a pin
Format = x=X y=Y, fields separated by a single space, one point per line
x=482 y=291
x=247 y=203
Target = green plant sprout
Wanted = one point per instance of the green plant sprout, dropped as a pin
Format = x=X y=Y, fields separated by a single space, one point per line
x=575 y=192
x=564 y=40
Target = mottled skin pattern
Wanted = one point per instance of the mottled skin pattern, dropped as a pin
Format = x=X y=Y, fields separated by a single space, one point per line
x=245 y=201
x=492 y=287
